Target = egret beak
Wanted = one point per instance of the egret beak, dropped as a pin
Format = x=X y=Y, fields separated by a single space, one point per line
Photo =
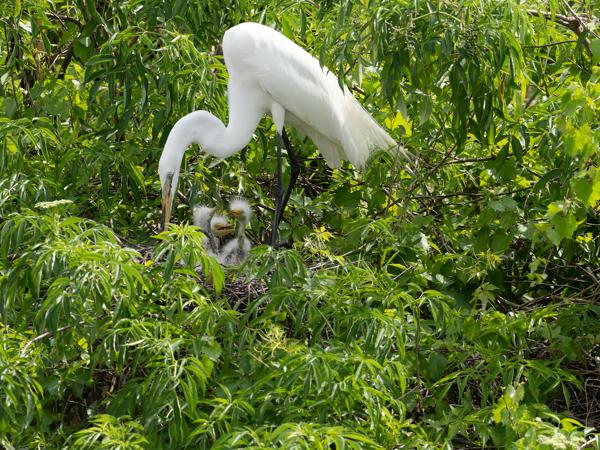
x=235 y=213
x=224 y=230
x=167 y=201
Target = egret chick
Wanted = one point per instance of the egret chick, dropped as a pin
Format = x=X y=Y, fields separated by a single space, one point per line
x=236 y=250
x=220 y=228
x=215 y=227
x=202 y=217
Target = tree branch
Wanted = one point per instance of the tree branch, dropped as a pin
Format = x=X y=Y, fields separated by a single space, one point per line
x=574 y=23
x=63 y=18
x=47 y=334
x=552 y=44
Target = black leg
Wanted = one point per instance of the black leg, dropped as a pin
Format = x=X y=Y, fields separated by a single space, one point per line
x=294 y=171
x=278 y=194
x=281 y=198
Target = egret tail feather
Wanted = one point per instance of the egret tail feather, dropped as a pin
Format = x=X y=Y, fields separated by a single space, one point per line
x=363 y=134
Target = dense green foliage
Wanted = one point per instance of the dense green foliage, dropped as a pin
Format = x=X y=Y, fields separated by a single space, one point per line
x=451 y=305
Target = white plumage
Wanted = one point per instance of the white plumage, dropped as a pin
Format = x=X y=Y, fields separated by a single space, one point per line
x=202 y=217
x=236 y=250
x=269 y=74
x=218 y=229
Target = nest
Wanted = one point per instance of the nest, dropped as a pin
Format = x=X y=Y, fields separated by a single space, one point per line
x=242 y=291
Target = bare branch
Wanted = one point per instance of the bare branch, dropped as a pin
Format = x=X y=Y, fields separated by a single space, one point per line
x=552 y=44
x=62 y=19
x=574 y=23
x=47 y=334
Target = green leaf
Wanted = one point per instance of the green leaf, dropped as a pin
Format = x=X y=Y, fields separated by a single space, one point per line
x=544 y=179
x=504 y=204
x=425 y=108
x=595 y=48
x=348 y=200
x=562 y=222
x=54 y=204
x=500 y=241
x=517 y=148
x=565 y=225
x=10 y=106
x=578 y=140
x=587 y=187
x=482 y=237
x=437 y=363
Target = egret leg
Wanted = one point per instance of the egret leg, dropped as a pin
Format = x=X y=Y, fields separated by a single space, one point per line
x=284 y=197
x=278 y=194
x=281 y=198
x=294 y=171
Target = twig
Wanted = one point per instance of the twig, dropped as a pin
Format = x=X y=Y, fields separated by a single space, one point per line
x=12 y=76
x=581 y=22
x=47 y=334
x=66 y=61
x=417 y=350
x=438 y=165
x=313 y=3
x=587 y=443
x=470 y=194
x=471 y=160
x=62 y=19
x=552 y=44
x=574 y=23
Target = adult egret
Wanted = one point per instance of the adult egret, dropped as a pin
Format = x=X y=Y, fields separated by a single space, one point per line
x=269 y=74
x=236 y=250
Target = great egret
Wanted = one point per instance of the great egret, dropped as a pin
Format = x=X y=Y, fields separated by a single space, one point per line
x=236 y=250
x=269 y=74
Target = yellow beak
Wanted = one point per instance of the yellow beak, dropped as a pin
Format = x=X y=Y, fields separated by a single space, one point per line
x=167 y=202
x=224 y=230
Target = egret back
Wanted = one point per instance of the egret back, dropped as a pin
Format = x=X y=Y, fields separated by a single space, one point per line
x=259 y=57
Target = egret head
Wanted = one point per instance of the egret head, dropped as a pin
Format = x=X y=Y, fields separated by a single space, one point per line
x=220 y=226
x=240 y=209
x=199 y=127
x=202 y=216
x=168 y=181
x=169 y=167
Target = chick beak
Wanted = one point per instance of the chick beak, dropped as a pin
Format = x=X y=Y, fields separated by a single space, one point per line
x=224 y=230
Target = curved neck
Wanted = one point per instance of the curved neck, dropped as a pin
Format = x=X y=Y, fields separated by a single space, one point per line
x=222 y=141
x=206 y=130
x=241 y=228
x=203 y=128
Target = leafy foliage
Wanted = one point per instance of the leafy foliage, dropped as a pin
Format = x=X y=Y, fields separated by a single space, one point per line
x=446 y=302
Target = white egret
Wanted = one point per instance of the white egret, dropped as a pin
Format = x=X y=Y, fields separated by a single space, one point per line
x=236 y=250
x=202 y=217
x=269 y=74
x=220 y=228
x=214 y=226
